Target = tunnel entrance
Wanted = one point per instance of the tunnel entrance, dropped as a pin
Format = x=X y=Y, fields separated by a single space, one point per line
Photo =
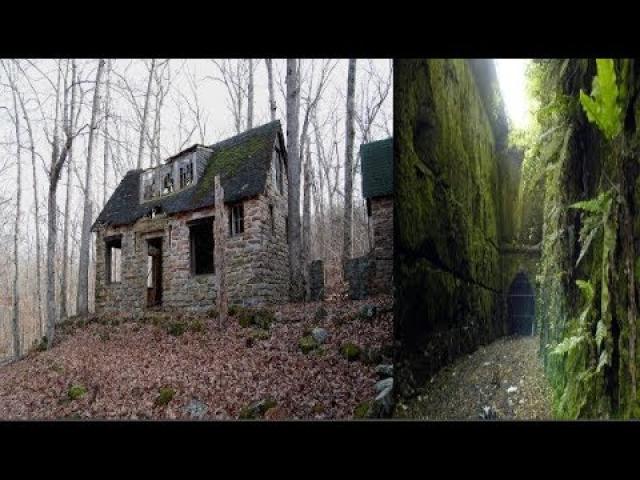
x=521 y=306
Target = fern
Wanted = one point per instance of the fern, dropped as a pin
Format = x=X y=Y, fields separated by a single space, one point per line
x=567 y=344
x=596 y=210
x=603 y=107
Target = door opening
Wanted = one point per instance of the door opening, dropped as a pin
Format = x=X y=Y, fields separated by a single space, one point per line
x=154 y=272
x=521 y=306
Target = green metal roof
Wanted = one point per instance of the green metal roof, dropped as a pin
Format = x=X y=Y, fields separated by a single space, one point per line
x=377 y=168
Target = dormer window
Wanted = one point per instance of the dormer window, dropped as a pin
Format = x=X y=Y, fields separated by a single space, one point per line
x=167 y=183
x=186 y=175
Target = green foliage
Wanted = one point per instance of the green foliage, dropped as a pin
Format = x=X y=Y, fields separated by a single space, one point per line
x=76 y=391
x=362 y=410
x=596 y=214
x=307 y=343
x=568 y=344
x=603 y=107
x=587 y=289
x=350 y=351
x=165 y=396
x=256 y=317
x=176 y=328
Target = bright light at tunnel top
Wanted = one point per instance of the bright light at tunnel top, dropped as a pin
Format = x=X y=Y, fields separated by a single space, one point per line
x=513 y=84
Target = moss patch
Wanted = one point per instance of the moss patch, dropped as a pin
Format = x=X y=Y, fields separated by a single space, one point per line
x=351 y=351
x=307 y=344
x=165 y=395
x=76 y=391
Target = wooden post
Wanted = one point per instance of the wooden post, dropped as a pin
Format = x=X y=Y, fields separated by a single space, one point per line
x=219 y=238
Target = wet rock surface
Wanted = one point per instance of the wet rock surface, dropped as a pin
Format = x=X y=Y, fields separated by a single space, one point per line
x=503 y=380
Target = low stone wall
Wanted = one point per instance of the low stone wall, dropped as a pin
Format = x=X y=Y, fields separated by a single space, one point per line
x=316 y=280
x=359 y=274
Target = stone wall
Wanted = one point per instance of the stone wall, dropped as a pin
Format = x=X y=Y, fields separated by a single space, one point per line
x=257 y=266
x=448 y=217
x=382 y=219
x=360 y=273
x=316 y=280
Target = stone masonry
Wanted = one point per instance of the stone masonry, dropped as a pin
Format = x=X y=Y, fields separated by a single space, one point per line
x=257 y=267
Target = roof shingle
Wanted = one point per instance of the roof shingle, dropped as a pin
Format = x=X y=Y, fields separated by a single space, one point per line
x=242 y=162
x=377 y=168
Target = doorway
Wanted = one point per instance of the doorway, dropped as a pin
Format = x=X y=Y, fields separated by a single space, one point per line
x=154 y=272
x=521 y=306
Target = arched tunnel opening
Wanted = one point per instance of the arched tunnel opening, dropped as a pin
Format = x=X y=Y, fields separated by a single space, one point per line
x=521 y=304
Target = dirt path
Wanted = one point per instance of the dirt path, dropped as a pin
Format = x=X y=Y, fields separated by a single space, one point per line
x=506 y=376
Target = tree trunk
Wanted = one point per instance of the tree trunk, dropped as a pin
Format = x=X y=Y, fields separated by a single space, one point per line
x=293 y=154
x=348 y=163
x=16 y=289
x=250 y=96
x=82 y=298
x=105 y=152
x=52 y=226
x=64 y=287
x=306 y=220
x=272 y=102
x=145 y=114
x=36 y=199
x=219 y=237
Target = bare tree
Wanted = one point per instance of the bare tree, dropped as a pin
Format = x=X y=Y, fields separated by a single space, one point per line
x=105 y=149
x=348 y=161
x=36 y=202
x=64 y=313
x=233 y=75
x=272 y=101
x=293 y=166
x=145 y=114
x=16 y=259
x=306 y=218
x=82 y=298
x=374 y=91
x=52 y=226
x=250 y=96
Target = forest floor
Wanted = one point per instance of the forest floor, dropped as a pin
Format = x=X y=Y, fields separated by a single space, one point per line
x=164 y=369
x=505 y=376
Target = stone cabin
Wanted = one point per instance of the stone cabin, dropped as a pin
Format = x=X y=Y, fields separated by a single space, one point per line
x=373 y=273
x=377 y=189
x=155 y=237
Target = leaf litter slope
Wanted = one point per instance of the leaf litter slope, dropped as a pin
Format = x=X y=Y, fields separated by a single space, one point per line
x=124 y=367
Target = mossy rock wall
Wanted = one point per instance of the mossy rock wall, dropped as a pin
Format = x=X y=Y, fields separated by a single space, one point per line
x=449 y=222
x=592 y=378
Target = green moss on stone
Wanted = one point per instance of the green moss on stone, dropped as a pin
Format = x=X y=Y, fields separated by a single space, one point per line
x=350 y=351
x=307 y=344
x=76 y=391
x=165 y=395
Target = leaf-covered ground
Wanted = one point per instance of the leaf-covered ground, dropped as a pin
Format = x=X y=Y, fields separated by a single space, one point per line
x=106 y=371
x=506 y=376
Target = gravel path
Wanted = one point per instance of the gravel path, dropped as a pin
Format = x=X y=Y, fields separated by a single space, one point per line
x=506 y=376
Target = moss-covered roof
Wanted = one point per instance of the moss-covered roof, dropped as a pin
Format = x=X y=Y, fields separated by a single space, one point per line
x=242 y=162
x=377 y=168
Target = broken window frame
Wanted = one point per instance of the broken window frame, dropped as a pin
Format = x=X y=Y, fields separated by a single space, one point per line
x=197 y=267
x=110 y=245
x=236 y=219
